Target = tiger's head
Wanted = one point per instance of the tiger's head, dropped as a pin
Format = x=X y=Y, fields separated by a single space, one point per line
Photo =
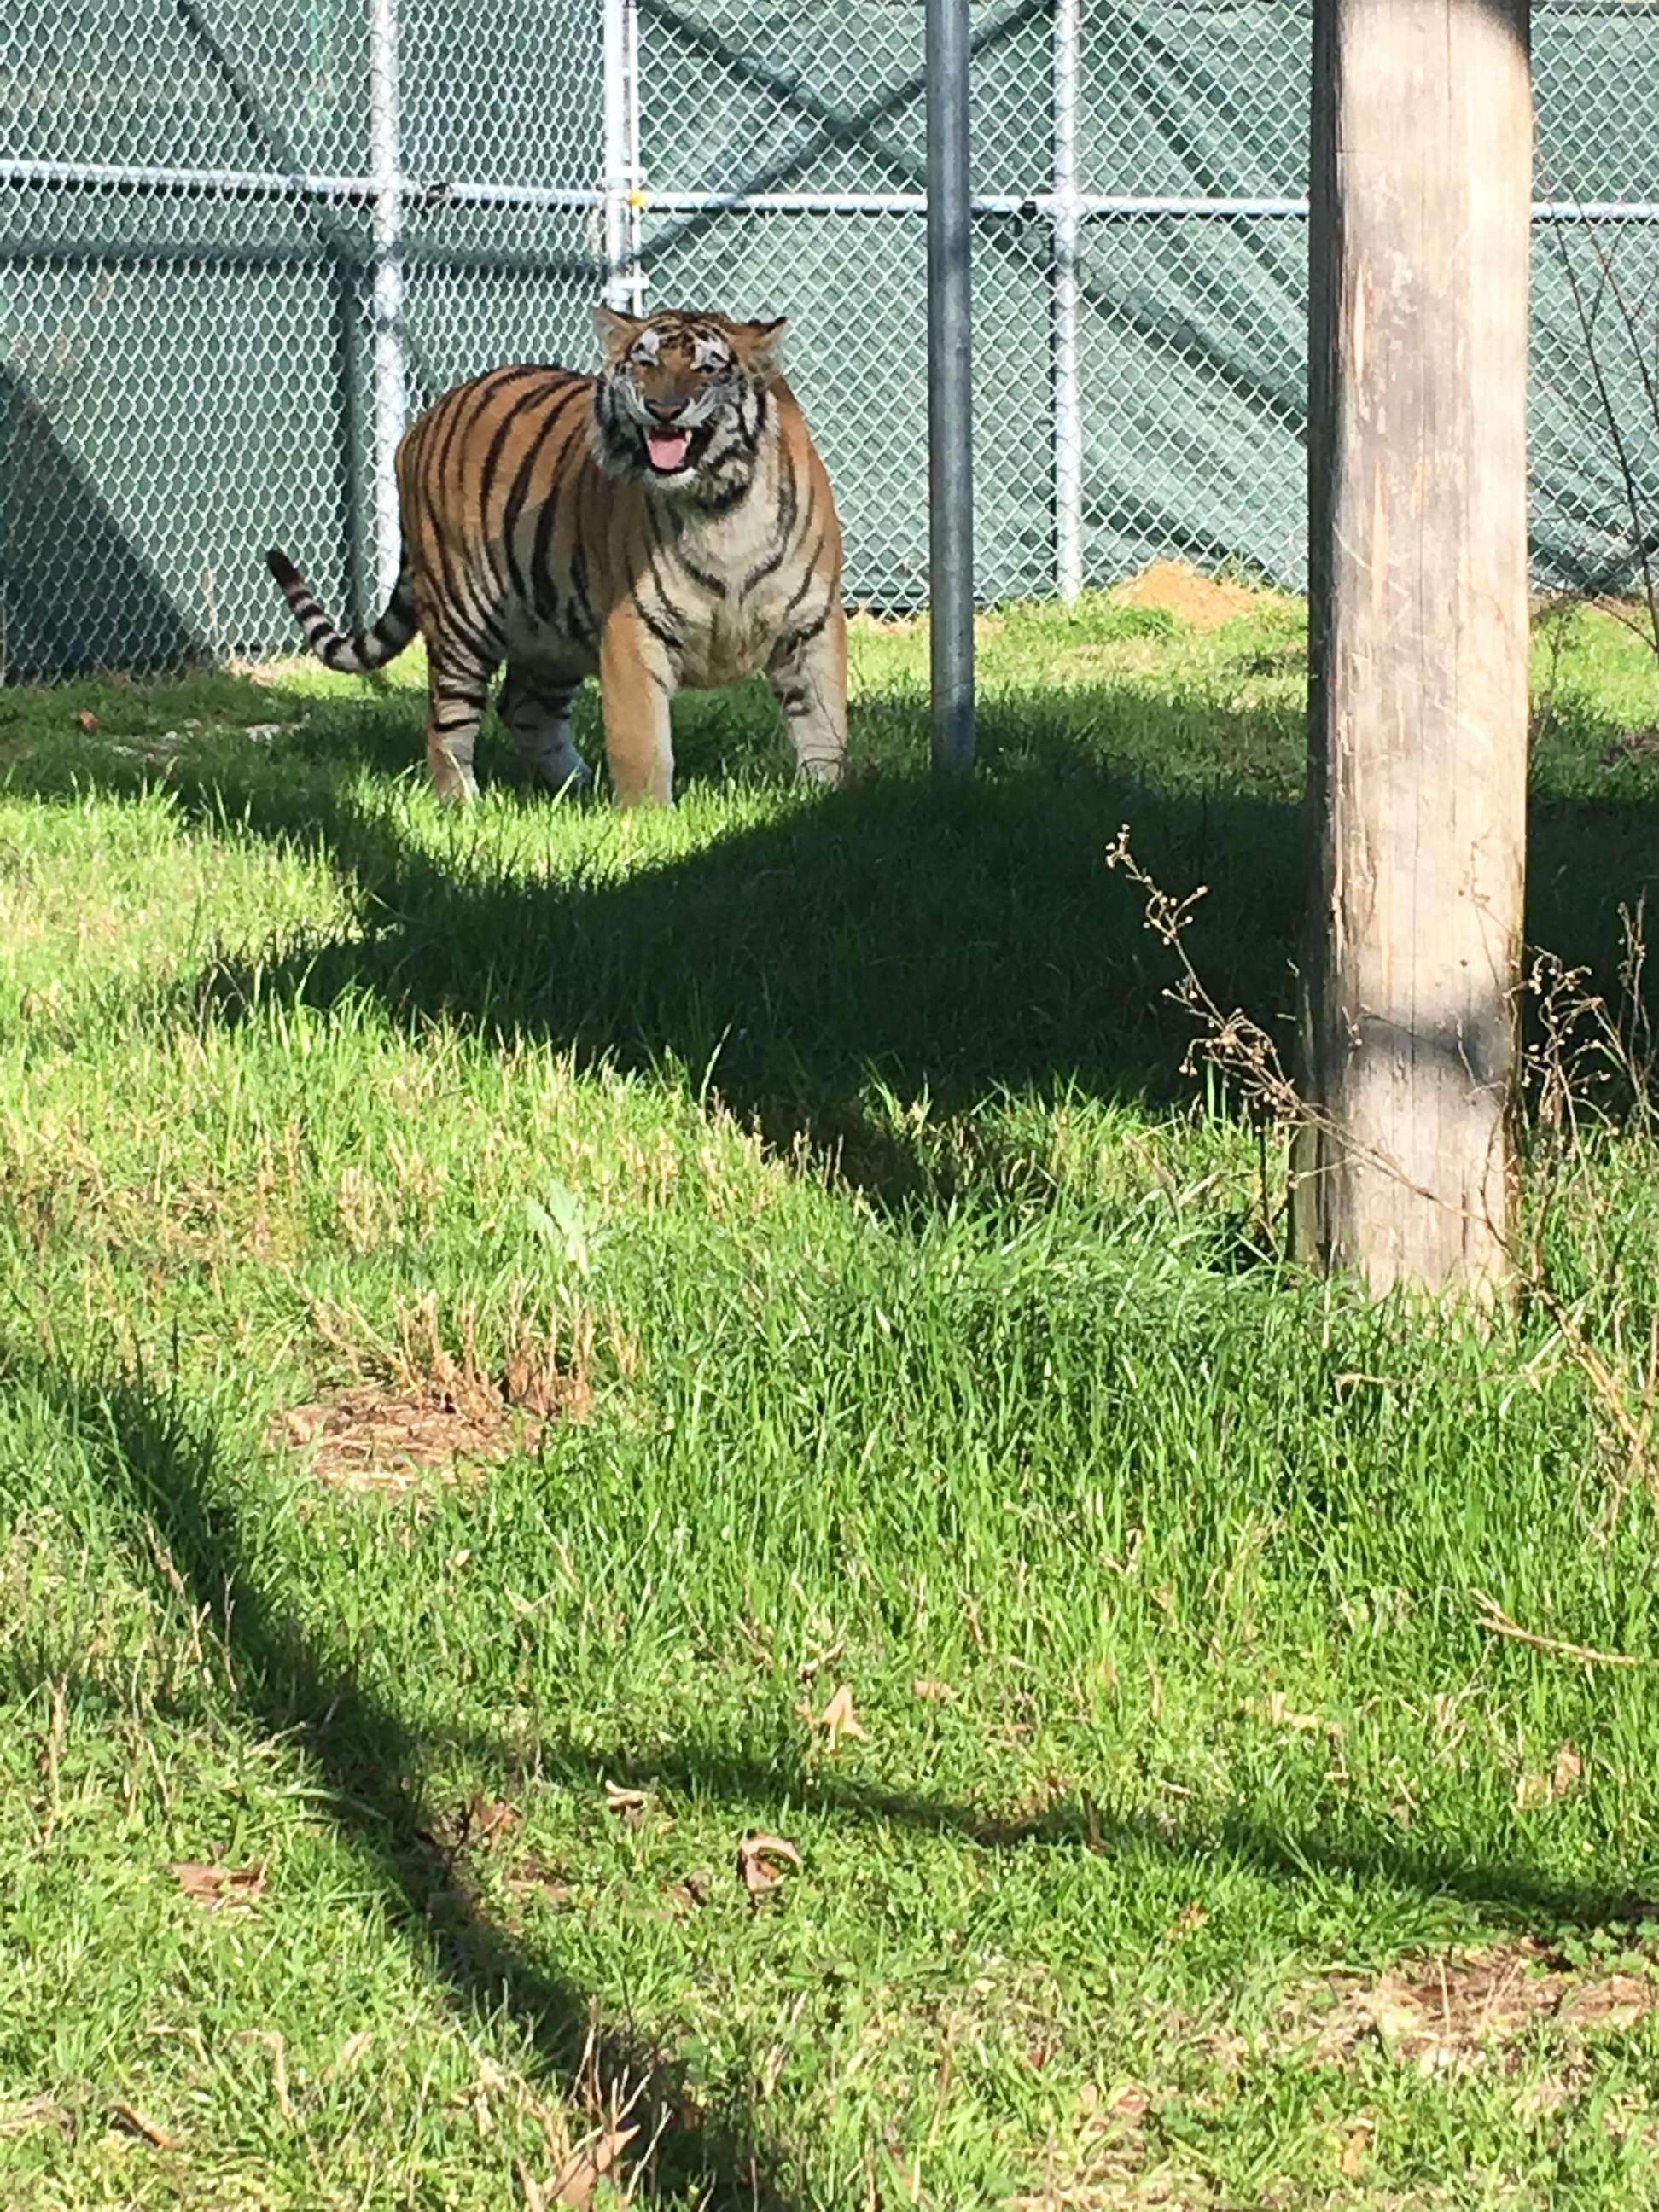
x=681 y=400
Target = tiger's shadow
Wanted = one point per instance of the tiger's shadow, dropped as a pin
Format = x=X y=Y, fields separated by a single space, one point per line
x=855 y=970
x=842 y=976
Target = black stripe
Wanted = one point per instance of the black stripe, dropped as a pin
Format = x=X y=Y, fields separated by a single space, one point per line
x=788 y=506
x=807 y=580
x=658 y=543
x=457 y=603
x=520 y=491
x=462 y=404
x=447 y=642
x=664 y=637
x=461 y=612
x=492 y=459
x=467 y=685
x=797 y=638
x=581 y=617
x=713 y=584
x=751 y=438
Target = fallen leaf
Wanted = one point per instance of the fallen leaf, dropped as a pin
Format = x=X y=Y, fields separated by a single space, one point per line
x=1542 y=1789
x=87 y=719
x=526 y=1877
x=580 y=2174
x=761 y=1859
x=1192 y=1915
x=837 y=1720
x=1351 y=2156
x=1276 y=1707
x=213 y=1887
x=348 y=2053
x=933 y=1693
x=627 y=1804
x=1619 y=2001
x=487 y=1819
x=129 y=2117
x=694 y=1888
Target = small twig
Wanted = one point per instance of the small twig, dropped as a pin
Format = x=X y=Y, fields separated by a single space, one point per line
x=131 y=2116
x=1497 y=1622
x=1636 y=1431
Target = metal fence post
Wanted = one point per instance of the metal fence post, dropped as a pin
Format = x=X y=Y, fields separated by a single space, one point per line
x=1067 y=304
x=625 y=275
x=387 y=306
x=950 y=385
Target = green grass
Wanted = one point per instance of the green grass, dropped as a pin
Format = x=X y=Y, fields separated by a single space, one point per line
x=920 y=1325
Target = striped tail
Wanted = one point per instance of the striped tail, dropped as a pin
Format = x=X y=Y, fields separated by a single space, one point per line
x=351 y=656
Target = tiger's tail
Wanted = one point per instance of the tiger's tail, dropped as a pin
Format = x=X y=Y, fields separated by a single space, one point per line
x=350 y=656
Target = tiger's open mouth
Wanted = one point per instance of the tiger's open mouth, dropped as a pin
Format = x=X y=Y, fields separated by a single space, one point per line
x=670 y=451
x=666 y=450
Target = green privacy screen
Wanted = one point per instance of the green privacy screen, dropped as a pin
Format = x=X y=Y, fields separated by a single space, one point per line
x=240 y=239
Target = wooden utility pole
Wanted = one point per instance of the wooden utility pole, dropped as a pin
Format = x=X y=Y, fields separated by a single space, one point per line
x=1421 y=198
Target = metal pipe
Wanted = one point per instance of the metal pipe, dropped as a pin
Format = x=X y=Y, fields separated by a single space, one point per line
x=304 y=184
x=618 y=292
x=300 y=184
x=950 y=385
x=387 y=294
x=634 y=240
x=1067 y=305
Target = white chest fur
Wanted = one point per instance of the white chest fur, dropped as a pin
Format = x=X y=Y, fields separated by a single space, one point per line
x=730 y=588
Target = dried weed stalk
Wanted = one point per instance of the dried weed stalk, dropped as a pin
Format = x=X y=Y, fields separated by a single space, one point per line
x=1587 y=1066
x=428 y=1396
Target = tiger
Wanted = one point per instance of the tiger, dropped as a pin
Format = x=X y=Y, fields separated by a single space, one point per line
x=666 y=522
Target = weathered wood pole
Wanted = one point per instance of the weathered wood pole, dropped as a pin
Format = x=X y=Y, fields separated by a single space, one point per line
x=1418 y=259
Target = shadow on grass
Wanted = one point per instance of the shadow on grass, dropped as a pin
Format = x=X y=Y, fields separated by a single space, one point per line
x=844 y=976
x=852 y=973
x=166 y=1471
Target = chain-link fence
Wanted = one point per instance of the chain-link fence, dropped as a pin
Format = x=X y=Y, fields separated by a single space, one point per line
x=241 y=239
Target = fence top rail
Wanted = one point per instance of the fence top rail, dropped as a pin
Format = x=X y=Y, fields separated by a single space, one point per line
x=312 y=184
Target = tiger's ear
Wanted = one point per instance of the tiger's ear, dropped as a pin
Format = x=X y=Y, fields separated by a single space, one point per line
x=763 y=345
x=615 y=331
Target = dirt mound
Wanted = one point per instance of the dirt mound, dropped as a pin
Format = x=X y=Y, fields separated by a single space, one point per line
x=1206 y=602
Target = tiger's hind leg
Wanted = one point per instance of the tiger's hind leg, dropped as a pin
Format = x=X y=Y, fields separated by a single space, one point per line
x=807 y=672
x=457 y=685
x=535 y=707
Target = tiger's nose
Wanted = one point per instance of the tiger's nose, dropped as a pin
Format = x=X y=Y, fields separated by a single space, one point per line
x=666 y=410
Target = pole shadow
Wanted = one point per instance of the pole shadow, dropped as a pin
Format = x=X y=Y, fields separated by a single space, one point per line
x=169 y=1473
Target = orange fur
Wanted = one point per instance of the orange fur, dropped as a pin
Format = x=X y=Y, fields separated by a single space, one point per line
x=666 y=524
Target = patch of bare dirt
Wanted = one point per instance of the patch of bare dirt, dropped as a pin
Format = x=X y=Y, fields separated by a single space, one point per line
x=431 y=1408
x=1204 y=601
x=1449 y=2012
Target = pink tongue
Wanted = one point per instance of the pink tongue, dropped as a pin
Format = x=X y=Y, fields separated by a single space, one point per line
x=668 y=449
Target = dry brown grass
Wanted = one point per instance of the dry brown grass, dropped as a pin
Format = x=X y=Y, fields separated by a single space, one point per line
x=1465 y=2006
x=430 y=1400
